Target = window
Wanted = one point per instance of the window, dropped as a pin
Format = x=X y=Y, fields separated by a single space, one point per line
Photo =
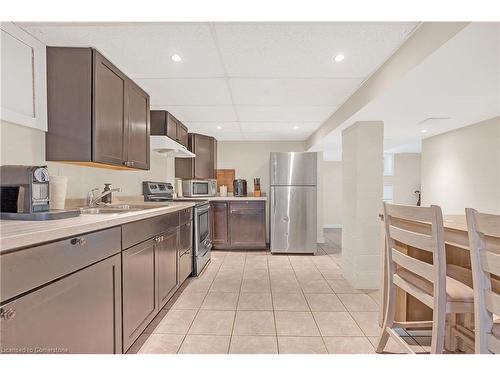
x=388 y=195
x=388 y=164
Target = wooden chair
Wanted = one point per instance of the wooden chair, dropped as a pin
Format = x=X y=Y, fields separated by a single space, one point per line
x=485 y=264
x=427 y=282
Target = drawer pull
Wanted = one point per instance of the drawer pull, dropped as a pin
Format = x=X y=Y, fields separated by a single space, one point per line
x=7 y=314
x=79 y=241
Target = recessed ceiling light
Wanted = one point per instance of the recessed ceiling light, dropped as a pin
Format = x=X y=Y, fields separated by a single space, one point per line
x=219 y=127
x=176 y=58
x=423 y=131
x=296 y=127
x=339 y=57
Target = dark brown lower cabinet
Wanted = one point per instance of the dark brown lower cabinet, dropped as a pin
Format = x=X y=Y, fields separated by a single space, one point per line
x=166 y=249
x=86 y=296
x=185 y=251
x=139 y=290
x=219 y=220
x=152 y=269
x=247 y=224
x=238 y=224
x=80 y=313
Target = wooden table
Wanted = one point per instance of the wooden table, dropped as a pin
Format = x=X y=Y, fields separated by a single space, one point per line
x=456 y=238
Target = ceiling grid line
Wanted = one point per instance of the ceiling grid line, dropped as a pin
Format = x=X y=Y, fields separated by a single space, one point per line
x=213 y=33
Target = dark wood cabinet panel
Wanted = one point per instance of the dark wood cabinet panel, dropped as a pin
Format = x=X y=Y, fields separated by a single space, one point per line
x=158 y=122
x=247 y=227
x=138 y=129
x=204 y=165
x=69 y=101
x=109 y=112
x=80 y=313
x=185 y=250
x=219 y=223
x=238 y=224
x=167 y=255
x=164 y=123
x=96 y=114
x=182 y=135
x=139 y=290
x=171 y=126
x=185 y=237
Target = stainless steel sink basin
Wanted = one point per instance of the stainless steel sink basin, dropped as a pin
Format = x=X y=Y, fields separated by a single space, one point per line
x=118 y=209
x=110 y=209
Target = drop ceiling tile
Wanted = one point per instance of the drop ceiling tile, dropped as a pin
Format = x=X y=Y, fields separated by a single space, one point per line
x=275 y=131
x=201 y=113
x=230 y=130
x=284 y=113
x=141 y=49
x=278 y=127
x=249 y=136
x=302 y=49
x=292 y=92
x=192 y=92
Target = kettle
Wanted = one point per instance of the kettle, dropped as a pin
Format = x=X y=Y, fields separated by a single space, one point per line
x=240 y=187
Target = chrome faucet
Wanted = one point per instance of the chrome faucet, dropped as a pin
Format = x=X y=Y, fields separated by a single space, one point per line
x=93 y=200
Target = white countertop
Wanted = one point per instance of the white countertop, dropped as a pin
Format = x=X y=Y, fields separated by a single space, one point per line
x=228 y=198
x=17 y=234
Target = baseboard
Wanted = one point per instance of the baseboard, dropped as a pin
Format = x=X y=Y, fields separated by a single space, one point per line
x=332 y=226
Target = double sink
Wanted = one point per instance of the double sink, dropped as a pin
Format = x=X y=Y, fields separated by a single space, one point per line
x=120 y=208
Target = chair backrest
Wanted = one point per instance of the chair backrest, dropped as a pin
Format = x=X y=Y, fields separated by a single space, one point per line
x=485 y=263
x=404 y=225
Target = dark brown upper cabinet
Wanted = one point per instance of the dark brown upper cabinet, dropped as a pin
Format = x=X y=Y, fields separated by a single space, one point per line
x=164 y=123
x=97 y=116
x=204 y=165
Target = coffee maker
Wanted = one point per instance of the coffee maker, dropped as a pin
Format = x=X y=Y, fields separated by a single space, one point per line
x=25 y=194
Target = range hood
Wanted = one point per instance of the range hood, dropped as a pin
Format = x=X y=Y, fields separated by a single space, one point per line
x=167 y=146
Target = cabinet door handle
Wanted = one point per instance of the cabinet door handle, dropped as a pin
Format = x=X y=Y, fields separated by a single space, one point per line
x=7 y=314
x=78 y=241
x=129 y=163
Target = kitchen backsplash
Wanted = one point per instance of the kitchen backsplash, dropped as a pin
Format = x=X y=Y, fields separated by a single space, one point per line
x=22 y=145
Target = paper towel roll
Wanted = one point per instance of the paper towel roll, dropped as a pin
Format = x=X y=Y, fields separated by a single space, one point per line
x=57 y=192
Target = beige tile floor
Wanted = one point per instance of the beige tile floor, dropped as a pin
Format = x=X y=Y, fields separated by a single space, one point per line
x=255 y=302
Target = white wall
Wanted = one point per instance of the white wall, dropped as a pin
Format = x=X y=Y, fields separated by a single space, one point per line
x=332 y=194
x=22 y=145
x=250 y=159
x=406 y=178
x=461 y=168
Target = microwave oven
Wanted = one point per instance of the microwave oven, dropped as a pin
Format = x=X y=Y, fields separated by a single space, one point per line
x=199 y=188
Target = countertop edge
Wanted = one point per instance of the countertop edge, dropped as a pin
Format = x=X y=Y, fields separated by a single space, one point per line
x=219 y=198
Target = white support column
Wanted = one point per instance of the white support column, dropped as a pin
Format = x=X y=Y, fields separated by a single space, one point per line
x=362 y=175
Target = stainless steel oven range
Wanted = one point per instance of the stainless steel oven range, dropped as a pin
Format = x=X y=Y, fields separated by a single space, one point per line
x=202 y=240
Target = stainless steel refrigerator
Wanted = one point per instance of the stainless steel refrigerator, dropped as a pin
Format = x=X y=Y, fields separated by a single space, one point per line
x=293 y=203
